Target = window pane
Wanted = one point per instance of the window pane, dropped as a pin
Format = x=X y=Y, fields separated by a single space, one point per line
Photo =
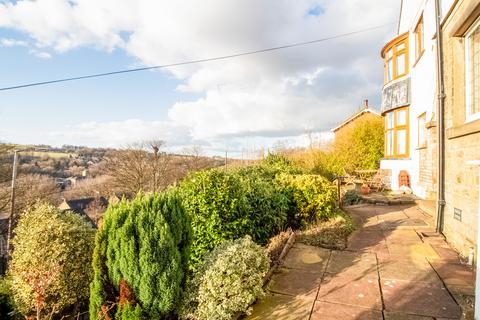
x=389 y=143
x=389 y=53
x=389 y=70
x=400 y=46
x=401 y=64
x=475 y=71
x=401 y=117
x=390 y=120
x=401 y=142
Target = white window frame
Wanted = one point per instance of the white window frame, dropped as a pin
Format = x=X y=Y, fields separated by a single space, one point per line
x=469 y=117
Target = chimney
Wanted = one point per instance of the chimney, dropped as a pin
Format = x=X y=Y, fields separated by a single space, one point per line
x=365 y=104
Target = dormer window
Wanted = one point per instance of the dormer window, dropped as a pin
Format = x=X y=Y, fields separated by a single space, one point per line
x=395 y=55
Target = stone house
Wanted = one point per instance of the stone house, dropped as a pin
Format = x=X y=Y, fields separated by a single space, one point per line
x=431 y=106
x=461 y=60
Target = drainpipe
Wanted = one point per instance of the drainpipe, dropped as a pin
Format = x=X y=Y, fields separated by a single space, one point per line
x=440 y=121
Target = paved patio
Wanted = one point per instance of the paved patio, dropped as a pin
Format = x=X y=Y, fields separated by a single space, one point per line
x=395 y=267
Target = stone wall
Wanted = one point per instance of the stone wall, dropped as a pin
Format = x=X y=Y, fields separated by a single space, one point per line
x=429 y=163
x=462 y=138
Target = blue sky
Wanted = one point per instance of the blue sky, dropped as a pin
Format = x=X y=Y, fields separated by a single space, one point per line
x=235 y=104
x=28 y=115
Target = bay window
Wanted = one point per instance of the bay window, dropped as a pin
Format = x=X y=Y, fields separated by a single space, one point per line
x=472 y=50
x=397 y=134
x=395 y=56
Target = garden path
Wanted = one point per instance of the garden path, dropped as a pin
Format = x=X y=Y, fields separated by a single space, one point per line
x=395 y=267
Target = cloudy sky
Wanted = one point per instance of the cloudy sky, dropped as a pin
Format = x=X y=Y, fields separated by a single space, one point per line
x=234 y=104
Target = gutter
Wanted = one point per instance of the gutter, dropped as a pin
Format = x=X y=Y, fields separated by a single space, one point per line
x=441 y=124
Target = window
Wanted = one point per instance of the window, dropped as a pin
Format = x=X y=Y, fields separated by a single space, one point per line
x=395 y=56
x=472 y=50
x=419 y=44
x=422 y=131
x=396 y=133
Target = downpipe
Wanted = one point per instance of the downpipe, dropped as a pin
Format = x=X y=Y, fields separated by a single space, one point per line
x=440 y=123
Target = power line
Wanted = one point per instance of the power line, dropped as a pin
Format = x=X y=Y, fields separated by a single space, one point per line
x=96 y=75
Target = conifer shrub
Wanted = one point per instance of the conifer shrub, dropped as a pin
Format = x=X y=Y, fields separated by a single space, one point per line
x=229 y=281
x=313 y=197
x=50 y=267
x=229 y=205
x=6 y=299
x=141 y=258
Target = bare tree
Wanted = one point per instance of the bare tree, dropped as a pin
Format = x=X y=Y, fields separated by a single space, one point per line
x=142 y=166
x=195 y=159
x=6 y=156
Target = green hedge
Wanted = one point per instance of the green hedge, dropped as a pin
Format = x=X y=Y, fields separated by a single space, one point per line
x=313 y=197
x=229 y=205
x=143 y=244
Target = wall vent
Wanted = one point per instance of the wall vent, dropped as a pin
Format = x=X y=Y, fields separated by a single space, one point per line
x=457 y=214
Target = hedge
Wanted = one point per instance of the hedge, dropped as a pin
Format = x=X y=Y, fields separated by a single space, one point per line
x=229 y=205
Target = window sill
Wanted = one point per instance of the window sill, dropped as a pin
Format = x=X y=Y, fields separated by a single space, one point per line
x=397 y=158
x=464 y=129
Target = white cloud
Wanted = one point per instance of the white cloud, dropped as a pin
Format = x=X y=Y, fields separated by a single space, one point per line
x=274 y=94
x=40 y=54
x=120 y=133
x=5 y=42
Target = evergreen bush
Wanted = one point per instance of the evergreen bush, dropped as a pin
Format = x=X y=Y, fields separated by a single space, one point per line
x=6 y=299
x=143 y=245
x=228 y=283
x=50 y=266
x=313 y=197
x=229 y=205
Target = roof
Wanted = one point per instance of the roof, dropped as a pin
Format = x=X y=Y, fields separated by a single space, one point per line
x=355 y=116
x=80 y=206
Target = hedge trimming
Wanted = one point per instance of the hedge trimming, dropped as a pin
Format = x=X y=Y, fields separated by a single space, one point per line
x=144 y=244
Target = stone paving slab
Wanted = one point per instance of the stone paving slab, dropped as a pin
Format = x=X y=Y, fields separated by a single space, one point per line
x=278 y=306
x=295 y=282
x=352 y=262
x=351 y=289
x=419 y=298
x=404 y=316
x=416 y=270
x=454 y=273
x=395 y=268
x=420 y=251
x=307 y=258
x=333 y=311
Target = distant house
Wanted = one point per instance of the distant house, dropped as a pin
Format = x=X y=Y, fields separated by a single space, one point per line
x=364 y=114
x=91 y=208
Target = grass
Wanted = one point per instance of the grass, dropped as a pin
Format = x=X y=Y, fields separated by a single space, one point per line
x=331 y=234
